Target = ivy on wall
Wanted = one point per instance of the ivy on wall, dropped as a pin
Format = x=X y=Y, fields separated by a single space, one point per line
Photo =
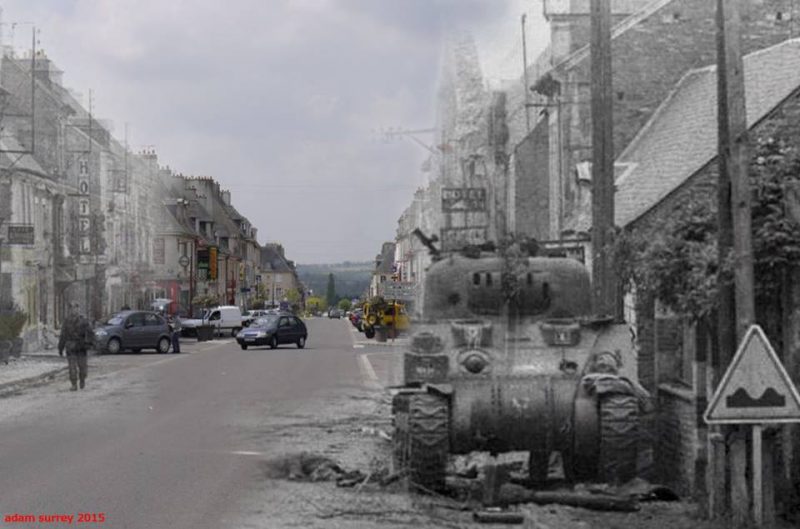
x=676 y=258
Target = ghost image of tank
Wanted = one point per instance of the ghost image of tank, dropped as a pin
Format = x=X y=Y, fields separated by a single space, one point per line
x=507 y=356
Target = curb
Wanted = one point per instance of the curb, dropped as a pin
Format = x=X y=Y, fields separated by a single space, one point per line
x=30 y=381
x=381 y=344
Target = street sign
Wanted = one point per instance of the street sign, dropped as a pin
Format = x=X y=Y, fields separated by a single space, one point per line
x=22 y=234
x=398 y=290
x=453 y=239
x=463 y=199
x=755 y=388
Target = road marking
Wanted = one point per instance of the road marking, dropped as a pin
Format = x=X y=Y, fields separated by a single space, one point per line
x=368 y=373
x=246 y=453
x=358 y=346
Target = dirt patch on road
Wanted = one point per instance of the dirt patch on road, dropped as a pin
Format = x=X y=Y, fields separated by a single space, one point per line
x=309 y=448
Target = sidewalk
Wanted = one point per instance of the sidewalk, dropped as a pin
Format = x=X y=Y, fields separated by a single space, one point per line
x=30 y=368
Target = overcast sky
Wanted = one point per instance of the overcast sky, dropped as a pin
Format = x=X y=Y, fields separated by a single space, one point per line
x=281 y=101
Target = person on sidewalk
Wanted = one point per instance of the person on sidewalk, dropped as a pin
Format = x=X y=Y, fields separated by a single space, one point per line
x=76 y=338
x=176 y=334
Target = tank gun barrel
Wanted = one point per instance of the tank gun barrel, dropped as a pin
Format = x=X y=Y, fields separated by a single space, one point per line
x=428 y=242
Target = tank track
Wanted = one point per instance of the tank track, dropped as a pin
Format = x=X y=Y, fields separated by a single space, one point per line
x=619 y=437
x=421 y=439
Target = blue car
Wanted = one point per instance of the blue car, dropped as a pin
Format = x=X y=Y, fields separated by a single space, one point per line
x=274 y=330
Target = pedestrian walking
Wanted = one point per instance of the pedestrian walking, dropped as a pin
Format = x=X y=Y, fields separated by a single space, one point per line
x=76 y=338
x=176 y=334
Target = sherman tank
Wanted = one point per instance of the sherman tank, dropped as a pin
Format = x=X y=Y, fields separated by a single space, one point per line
x=507 y=356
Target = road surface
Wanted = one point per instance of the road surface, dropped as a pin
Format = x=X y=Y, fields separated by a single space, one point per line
x=165 y=440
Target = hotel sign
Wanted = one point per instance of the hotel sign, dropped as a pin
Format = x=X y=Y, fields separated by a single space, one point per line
x=21 y=234
x=468 y=199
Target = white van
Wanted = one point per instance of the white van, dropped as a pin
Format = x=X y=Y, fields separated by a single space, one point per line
x=226 y=319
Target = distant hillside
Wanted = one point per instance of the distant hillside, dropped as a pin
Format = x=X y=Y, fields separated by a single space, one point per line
x=351 y=278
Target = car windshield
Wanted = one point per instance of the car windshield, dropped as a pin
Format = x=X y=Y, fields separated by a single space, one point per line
x=265 y=321
x=114 y=320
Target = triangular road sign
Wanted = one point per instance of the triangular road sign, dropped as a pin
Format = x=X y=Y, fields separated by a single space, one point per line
x=755 y=388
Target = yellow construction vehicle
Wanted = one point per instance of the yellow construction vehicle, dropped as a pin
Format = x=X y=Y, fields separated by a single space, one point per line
x=384 y=319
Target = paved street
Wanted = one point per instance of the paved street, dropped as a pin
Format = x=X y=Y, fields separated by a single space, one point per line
x=164 y=441
x=207 y=439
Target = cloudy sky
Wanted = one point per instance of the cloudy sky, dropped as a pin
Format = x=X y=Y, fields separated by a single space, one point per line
x=282 y=101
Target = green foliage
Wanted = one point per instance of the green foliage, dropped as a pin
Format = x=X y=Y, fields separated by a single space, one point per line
x=344 y=304
x=293 y=296
x=258 y=302
x=677 y=260
x=776 y=235
x=12 y=320
x=330 y=293
x=315 y=304
x=206 y=301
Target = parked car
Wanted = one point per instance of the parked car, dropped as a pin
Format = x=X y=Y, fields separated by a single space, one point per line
x=274 y=330
x=224 y=319
x=134 y=330
x=356 y=317
x=251 y=315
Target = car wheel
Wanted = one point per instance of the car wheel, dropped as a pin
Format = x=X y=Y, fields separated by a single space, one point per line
x=113 y=346
x=273 y=342
x=235 y=331
x=243 y=346
x=163 y=345
x=301 y=342
x=369 y=332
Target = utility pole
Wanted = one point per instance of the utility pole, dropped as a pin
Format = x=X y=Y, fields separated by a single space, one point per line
x=526 y=87
x=604 y=289
x=737 y=305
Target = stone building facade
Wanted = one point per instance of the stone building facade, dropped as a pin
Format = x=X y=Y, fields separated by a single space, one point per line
x=82 y=218
x=673 y=162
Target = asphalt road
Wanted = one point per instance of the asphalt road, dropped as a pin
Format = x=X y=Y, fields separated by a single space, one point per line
x=163 y=441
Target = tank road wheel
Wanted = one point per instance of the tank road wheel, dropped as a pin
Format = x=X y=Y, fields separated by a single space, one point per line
x=421 y=439
x=619 y=437
x=538 y=467
x=580 y=463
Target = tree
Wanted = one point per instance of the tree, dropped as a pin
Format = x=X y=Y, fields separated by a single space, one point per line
x=344 y=304
x=330 y=295
x=293 y=297
x=676 y=260
x=315 y=304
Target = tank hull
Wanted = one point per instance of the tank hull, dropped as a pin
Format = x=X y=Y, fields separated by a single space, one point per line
x=513 y=413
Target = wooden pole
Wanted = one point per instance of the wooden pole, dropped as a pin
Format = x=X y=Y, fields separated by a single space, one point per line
x=734 y=214
x=527 y=88
x=603 y=281
x=758 y=506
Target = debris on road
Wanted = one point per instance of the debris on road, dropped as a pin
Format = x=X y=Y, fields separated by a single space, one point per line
x=498 y=517
x=303 y=466
x=512 y=494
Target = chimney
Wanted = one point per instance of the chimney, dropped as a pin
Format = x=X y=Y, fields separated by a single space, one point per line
x=226 y=197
